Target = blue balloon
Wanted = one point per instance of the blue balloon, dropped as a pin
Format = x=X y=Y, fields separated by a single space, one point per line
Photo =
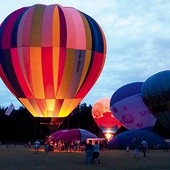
x=126 y=91
x=156 y=96
x=125 y=139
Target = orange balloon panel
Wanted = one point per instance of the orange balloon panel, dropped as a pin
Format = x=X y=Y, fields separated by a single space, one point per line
x=50 y=57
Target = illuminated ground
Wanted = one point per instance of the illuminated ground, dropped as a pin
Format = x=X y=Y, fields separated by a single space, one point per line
x=21 y=158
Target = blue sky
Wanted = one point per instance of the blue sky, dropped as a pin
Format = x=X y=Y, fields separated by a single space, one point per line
x=137 y=34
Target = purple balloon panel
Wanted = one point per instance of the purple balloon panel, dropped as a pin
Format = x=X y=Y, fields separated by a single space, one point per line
x=126 y=91
x=132 y=113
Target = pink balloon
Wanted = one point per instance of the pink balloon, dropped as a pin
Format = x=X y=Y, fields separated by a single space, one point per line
x=103 y=116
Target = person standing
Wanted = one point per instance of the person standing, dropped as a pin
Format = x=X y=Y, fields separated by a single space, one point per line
x=46 y=147
x=89 y=152
x=127 y=150
x=166 y=146
x=37 y=146
x=29 y=144
x=137 y=145
x=96 y=153
x=75 y=146
x=144 y=148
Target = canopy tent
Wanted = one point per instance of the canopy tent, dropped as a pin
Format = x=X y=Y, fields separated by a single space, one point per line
x=75 y=134
x=125 y=139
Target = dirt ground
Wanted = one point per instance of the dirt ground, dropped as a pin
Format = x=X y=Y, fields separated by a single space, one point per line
x=22 y=158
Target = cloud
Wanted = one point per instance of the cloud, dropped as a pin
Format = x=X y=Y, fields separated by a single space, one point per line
x=137 y=34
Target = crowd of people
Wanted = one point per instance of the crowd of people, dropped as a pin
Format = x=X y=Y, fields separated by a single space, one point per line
x=92 y=151
x=139 y=146
x=65 y=146
x=142 y=146
x=92 y=148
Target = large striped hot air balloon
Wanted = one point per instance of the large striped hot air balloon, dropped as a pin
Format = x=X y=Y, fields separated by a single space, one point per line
x=50 y=57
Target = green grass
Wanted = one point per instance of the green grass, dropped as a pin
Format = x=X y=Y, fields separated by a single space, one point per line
x=21 y=158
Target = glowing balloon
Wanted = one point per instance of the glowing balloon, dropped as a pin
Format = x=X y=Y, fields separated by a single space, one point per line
x=104 y=117
x=127 y=106
x=156 y=96
x=75 y=134
x=50 y=57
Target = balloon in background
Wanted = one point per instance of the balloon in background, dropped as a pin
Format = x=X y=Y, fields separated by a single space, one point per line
x=57 y=133
x=75 y=134
x=156 y=96
x=127 y=106
x=104 y=118
x=50 y=57
x=125 y=139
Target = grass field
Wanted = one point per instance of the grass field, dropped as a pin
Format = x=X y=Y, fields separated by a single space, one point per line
x=21 y=158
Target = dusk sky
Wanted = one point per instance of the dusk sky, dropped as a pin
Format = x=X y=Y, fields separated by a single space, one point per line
x=137 y=34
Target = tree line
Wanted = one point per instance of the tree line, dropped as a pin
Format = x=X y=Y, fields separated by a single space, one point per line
x=20 y=126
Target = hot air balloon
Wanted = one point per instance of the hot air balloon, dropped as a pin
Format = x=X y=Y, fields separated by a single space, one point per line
x=104 y=117
x=50 y=57
x=125 y=139
x=56 y=134
x=156 y=96
x=75 y=134
x=127 y=106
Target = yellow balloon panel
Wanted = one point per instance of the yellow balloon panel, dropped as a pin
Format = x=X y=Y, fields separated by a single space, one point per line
x=50 y=107
x=68 y=106
x=36 y=72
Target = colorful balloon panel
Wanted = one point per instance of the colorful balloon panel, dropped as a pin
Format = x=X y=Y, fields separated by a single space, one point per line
x=104 y=117
x=156 y=96
x=128 y=107
x=50 y=57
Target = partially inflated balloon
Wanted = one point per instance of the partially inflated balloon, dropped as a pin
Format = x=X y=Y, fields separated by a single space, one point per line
x=156 y=96
x=50 y=57
x=127 y=106
x=104 y=117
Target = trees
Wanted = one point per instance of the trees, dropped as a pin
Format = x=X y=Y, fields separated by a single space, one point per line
x=21 y=126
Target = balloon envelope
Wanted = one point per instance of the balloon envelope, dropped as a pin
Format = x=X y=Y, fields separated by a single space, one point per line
x=50 y=57
x=75 y=134
x=125 y=139
x=56 y=134
x=156 y=96
x=104 y=117
x=127 y=106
